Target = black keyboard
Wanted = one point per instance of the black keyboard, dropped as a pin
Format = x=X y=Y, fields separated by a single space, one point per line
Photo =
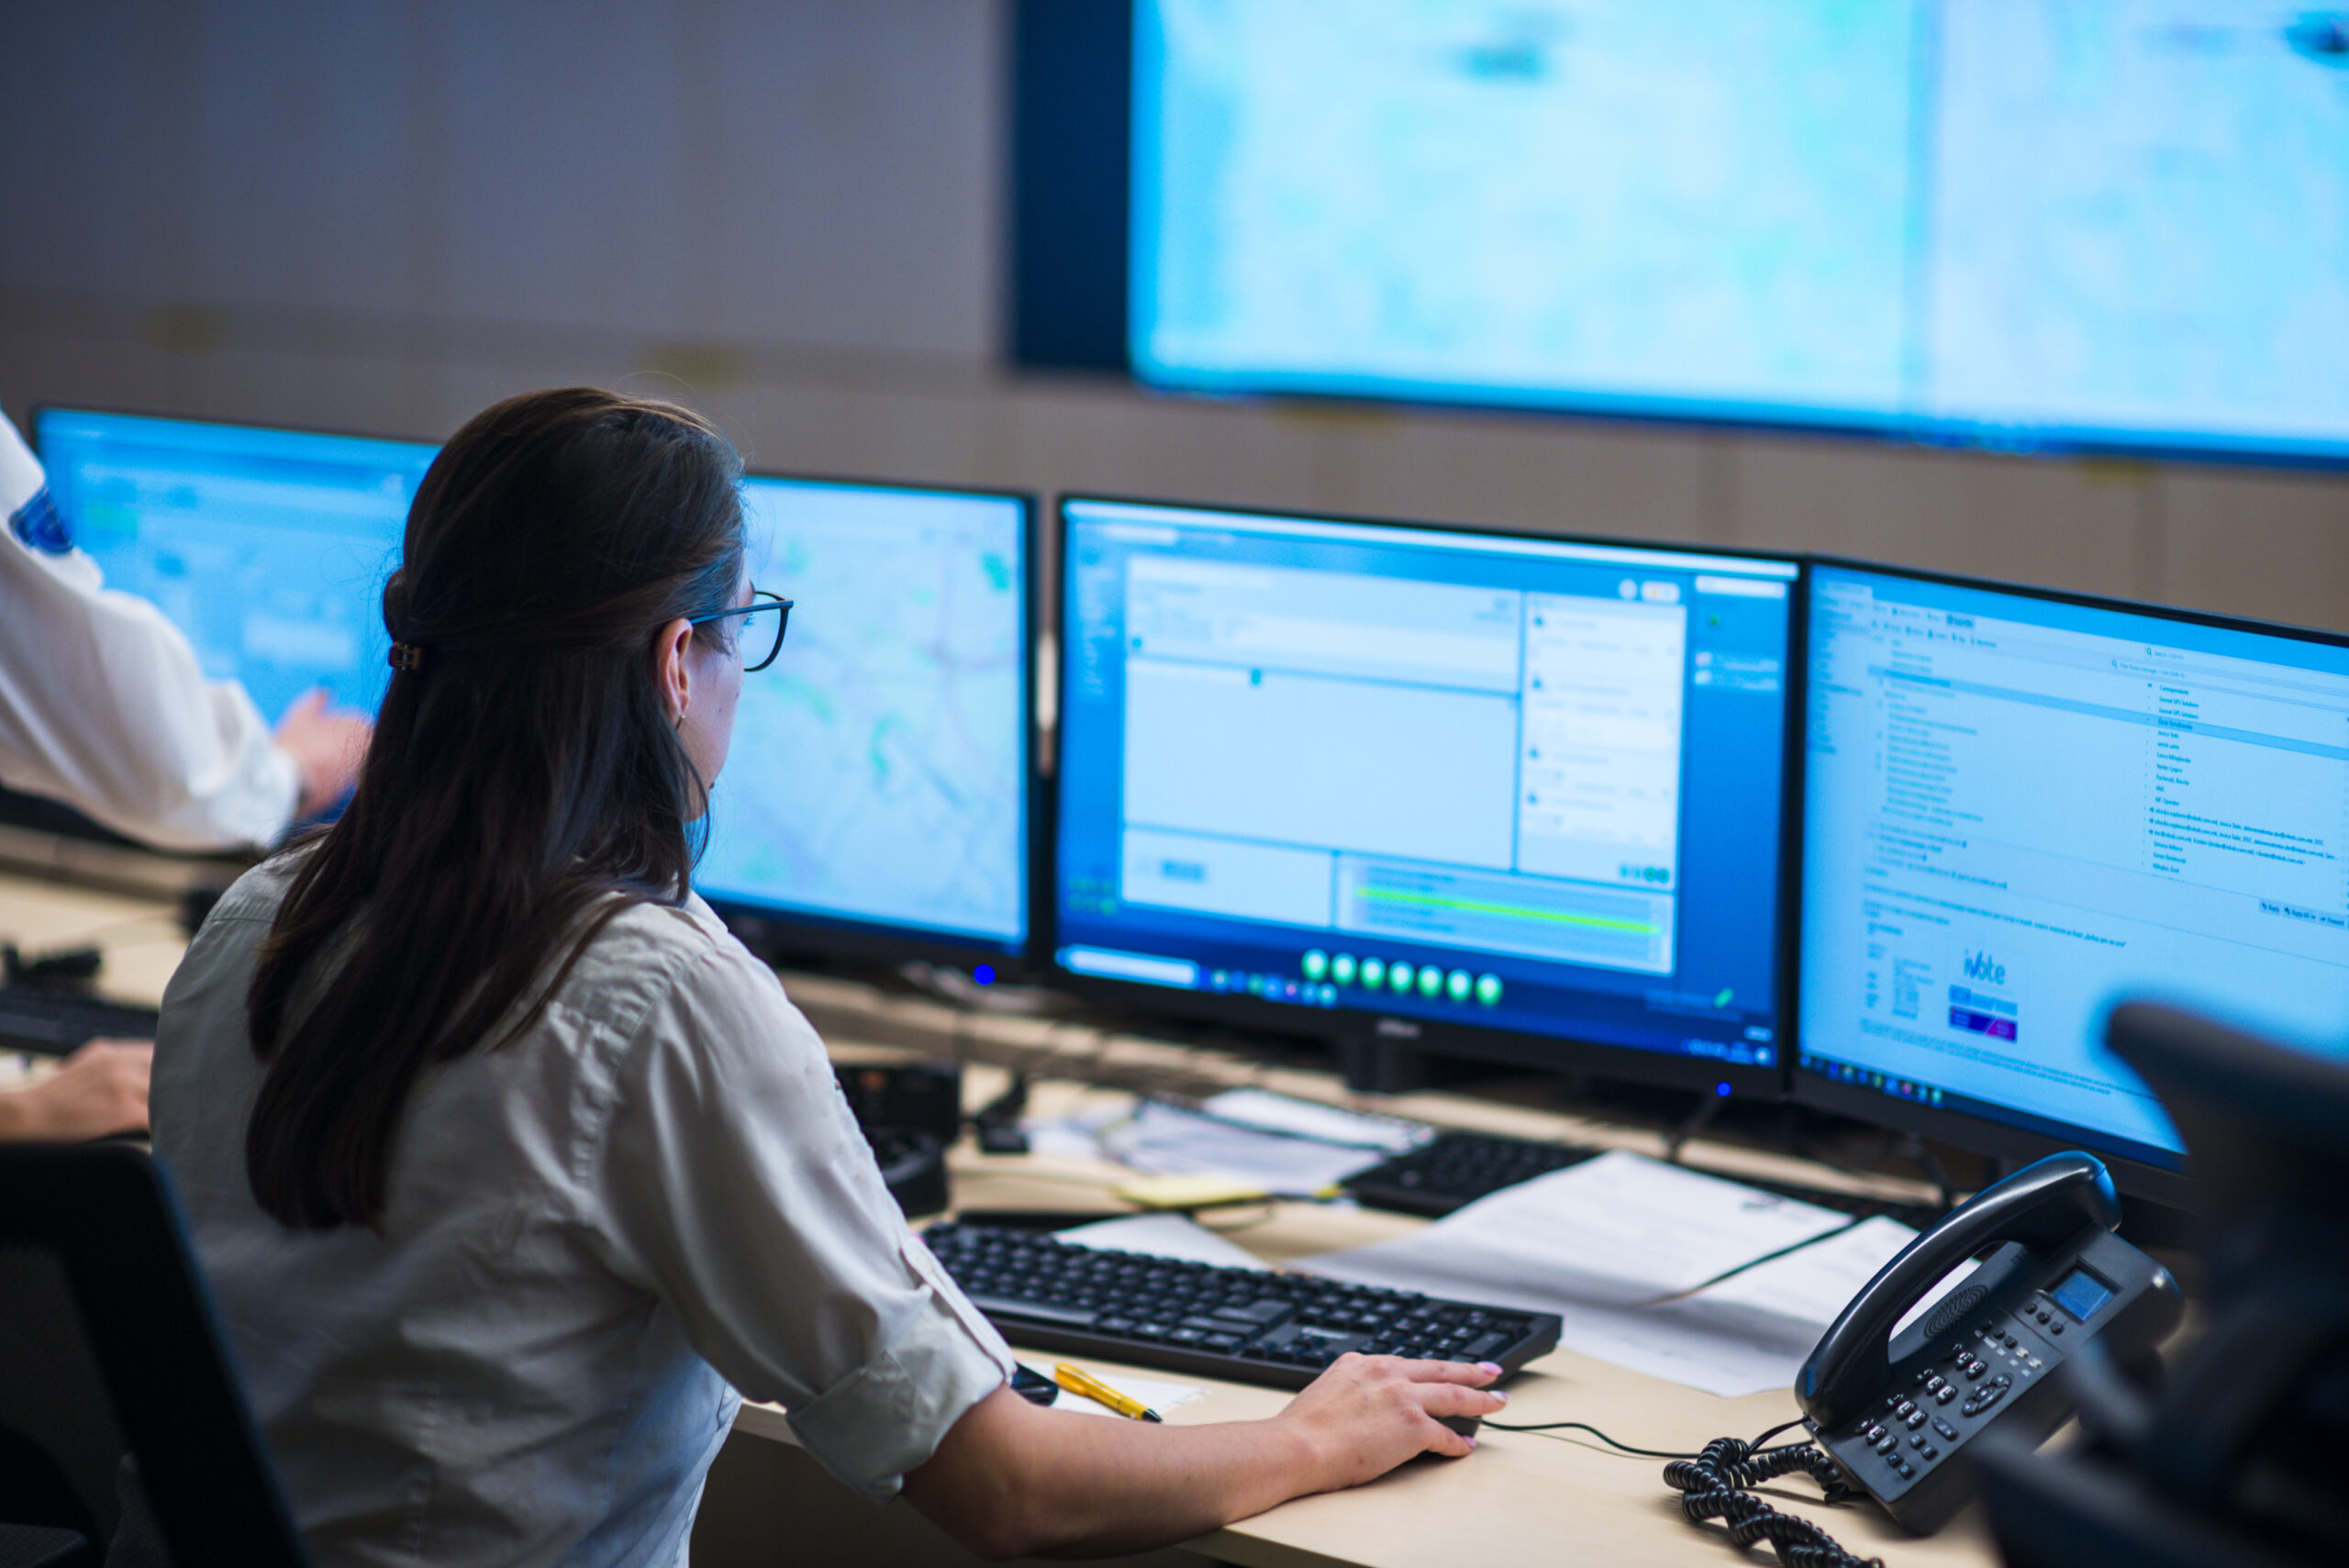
x=1458 y=1168
x=1241 y=1325
x=33 y=1018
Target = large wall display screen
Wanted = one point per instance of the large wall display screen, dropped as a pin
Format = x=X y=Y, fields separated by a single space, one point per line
x=2015 y=223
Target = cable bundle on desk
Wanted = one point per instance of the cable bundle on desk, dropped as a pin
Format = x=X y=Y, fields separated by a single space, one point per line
x=1717 y=1484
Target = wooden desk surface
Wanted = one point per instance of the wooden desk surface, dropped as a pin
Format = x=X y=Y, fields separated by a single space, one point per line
x=1522 y=1499
x=141 y=936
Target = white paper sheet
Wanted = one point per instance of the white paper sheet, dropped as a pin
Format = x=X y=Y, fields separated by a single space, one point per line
x=1162 y=1235
x=1618 y=1230
x=1602 y=1241
x=1754 y=1329
x=1160 y=1396
x=1161 y=1140
x=1269 y=1112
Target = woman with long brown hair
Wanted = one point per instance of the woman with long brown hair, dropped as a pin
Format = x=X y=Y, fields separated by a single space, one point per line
x=514 y=1172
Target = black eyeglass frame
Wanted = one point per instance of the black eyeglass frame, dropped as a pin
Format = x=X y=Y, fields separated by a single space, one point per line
x=759 y=600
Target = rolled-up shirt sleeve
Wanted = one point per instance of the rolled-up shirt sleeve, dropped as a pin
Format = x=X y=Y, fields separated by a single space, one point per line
x=735 y=1184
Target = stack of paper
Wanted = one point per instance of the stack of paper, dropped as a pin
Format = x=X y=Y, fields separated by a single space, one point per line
x=1164 y=1140
x=1629 y=1250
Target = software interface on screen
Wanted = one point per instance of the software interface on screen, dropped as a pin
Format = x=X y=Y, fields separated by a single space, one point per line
x=269 y=547
x=1526 y=784
x=879 y=770
x=2022 y=811
x=2004 y=221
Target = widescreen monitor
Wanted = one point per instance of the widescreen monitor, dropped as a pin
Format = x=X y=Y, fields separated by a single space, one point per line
x=2019 y=224
x=2023 y=808
x=268 y=547
x=1507 y=798
x=876 y=801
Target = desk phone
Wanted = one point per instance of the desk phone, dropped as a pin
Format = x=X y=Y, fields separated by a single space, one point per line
x=1897 y=1412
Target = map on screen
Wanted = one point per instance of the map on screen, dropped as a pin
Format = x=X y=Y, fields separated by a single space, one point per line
x=879 y=769
x=2094 y=221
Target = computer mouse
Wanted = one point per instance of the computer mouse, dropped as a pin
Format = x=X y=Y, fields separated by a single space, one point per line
x=1465 y=1425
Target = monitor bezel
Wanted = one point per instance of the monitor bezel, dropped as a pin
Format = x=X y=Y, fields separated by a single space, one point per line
x=797 y=938
x=1348 y=1027
x=2005 y=1140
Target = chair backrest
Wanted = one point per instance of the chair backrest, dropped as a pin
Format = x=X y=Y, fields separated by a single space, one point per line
x=110 y=1346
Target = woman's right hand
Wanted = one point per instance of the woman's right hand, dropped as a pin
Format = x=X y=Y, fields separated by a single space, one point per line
x=1368 y=1414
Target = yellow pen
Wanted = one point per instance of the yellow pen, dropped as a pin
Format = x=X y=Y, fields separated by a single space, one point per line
x=1077 y=1380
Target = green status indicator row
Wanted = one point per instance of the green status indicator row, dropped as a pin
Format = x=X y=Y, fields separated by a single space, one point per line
x=1401 y=977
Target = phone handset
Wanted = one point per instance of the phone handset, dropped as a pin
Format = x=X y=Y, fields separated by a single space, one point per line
x=2041 y=1207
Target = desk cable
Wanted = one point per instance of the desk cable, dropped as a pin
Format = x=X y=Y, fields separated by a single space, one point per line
x=1718 y=1483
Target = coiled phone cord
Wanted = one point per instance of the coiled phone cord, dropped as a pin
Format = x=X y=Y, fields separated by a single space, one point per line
x=1718 y=1483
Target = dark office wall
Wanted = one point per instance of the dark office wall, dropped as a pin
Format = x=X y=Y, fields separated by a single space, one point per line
x=384 y=215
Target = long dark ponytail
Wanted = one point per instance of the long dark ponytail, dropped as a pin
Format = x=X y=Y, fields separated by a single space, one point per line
x=524 y=784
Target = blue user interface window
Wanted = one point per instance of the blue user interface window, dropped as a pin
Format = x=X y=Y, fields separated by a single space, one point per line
x=1515 y=783
x=2020 y=811
x=268 y=548
x=879 y=771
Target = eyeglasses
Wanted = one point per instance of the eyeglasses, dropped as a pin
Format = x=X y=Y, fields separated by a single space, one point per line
x=749 y=639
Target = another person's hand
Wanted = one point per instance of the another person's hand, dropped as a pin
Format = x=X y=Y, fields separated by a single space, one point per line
x=326 y=744
x=1366 y=1414
x=101 y=1089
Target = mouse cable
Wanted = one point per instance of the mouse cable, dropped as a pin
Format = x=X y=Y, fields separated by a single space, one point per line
x=1544 y=1428
x=1718 y=1483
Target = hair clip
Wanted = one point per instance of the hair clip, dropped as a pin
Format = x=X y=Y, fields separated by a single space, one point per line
x=407 y=656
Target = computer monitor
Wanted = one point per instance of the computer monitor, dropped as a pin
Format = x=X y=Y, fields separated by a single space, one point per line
x=2021 y=807
x=268 y=547
x=1514 y=799
x=877 y=800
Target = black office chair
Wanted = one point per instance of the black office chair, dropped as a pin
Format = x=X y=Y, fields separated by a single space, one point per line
x=109 y=1347
x=2236 y=1461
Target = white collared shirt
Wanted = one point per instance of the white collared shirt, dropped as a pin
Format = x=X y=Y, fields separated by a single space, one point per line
x=102 y=703
x=655 y=1192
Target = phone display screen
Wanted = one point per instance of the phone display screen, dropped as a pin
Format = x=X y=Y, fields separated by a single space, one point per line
x=2081 y=1294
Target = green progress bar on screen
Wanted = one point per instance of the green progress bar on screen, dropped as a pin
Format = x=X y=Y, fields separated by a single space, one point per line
x=1477 y=906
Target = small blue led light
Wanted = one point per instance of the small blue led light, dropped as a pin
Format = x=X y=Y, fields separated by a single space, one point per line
x=1722 y=1089
x=984 y=976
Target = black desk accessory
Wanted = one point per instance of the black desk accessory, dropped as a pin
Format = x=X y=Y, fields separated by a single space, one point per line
x=910 y=1112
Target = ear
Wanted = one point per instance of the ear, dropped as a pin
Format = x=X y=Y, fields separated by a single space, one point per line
x=671 y=671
